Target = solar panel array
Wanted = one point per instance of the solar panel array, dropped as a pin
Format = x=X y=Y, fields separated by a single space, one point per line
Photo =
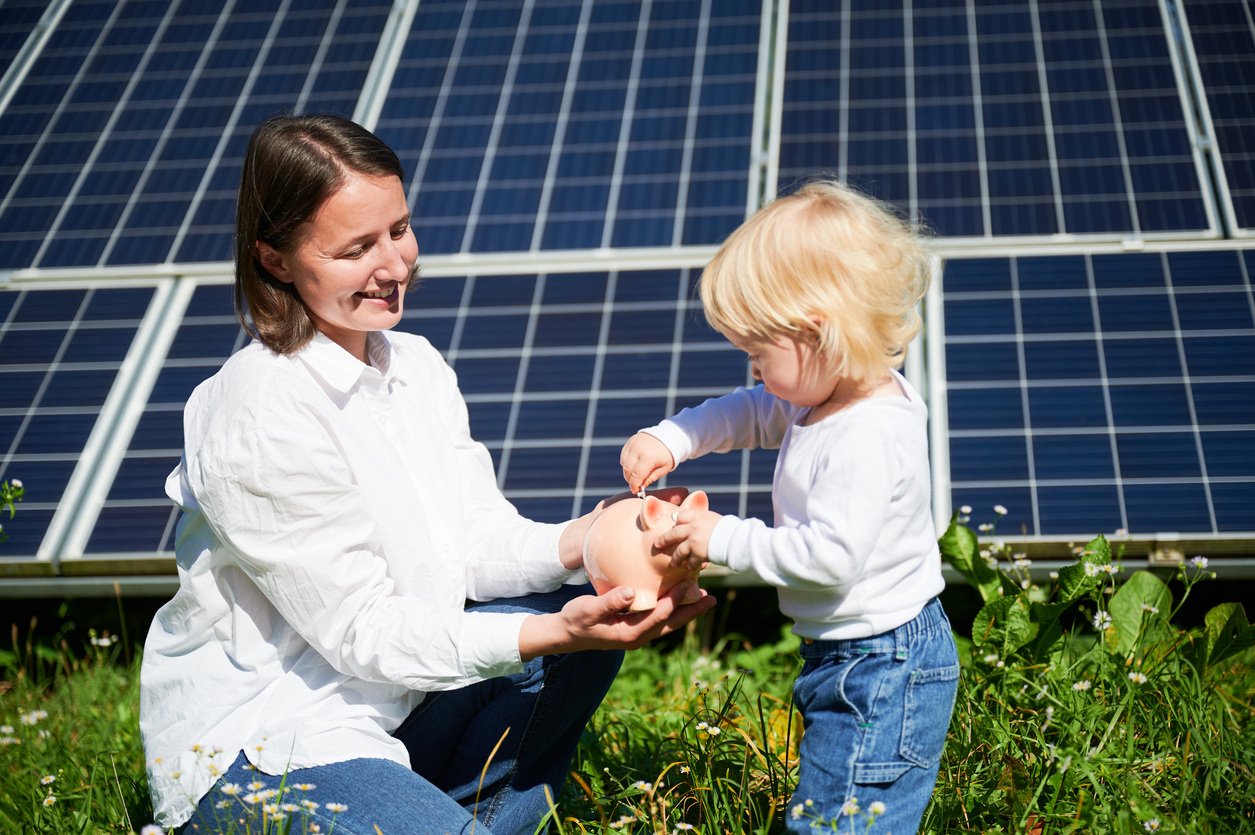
x=571 y=166
x=993 y=119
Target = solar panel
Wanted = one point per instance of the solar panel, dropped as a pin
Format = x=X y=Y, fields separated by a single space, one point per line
x=18 y=19
x=1104 y=392
x=572 y=125
x=123 y=144
x=1223 y=36
x=61 y=352
x=558 y=370
x=996 y=120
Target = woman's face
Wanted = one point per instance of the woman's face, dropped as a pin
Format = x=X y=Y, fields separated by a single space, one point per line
x=353 y=261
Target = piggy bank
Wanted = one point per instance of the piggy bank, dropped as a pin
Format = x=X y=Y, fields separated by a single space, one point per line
x=618 y=548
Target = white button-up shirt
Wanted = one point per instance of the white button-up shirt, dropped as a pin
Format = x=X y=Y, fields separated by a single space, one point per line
x=336 y=517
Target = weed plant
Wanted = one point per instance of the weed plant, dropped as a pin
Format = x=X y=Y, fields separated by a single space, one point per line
x=1083 y=707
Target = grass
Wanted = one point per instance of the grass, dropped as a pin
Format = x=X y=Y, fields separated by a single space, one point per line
x=1084 y=706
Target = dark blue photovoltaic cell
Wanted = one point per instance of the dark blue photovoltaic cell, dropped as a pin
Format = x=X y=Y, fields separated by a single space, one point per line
x=60 y=353
x=1148 y=400
x=575 y=125
x=994 y=119
x=17 y=22
x=123 y=143
x=1223 y=34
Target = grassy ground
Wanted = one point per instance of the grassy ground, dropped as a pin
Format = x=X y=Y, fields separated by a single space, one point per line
x=1083 y=707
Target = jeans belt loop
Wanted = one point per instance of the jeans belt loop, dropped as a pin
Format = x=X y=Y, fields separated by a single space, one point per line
x=900 y=643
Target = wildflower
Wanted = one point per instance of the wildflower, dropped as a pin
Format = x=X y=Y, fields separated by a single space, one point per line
x=850 y=807
x=310 y=805
x=876 y=809
x=6 y=729
x=222 y=804
x=1198 y=562
x=256 y=785
x=1137 y=677
x=623 y=821
x=684 y=769
x=270 y=808
x=797 y=811
x=965 y=509
x=1082 y=685
x=1000 y=510
x=1111 y=568
x=701 y=726
x=34 y=717
x=152 y=829
x=278 y=816
x=47 y=780
x=315 y=828
x=10 y=740
x=991 y=658
x=1146 y=607
x=289 y=807
x=337 y=808
x=1102 y=621
x=16 y=483
x=305 y=787
x=1151 y=825
x=643 y=786
x=50 y=799
x=252 y=798
x=1022 y=562
x=1092 y=569
x=713 y=731
x=684 y=827
x=231 y=789
x=985 y=527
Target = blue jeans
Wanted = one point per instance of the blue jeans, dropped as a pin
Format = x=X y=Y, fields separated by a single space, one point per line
x=875 y=712
x=450 y=736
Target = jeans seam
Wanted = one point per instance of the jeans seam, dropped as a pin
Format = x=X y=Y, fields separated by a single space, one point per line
x=494 y=805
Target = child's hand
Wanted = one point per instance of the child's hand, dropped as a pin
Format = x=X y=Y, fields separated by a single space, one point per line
x=644 y=459
x=688 y=541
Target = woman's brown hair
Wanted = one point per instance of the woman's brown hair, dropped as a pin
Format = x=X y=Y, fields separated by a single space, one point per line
x=292 y=165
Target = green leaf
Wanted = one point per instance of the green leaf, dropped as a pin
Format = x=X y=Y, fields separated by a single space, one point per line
x=961 y=549
x=1127 y=614
x=1075 y=581
x=1003 y=626
x=1226 y=632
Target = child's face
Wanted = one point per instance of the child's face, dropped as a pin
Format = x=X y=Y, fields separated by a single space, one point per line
x=789 y=368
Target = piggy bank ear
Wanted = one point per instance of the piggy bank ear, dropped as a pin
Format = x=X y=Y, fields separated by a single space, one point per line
x=654 y=511
x=697 y=500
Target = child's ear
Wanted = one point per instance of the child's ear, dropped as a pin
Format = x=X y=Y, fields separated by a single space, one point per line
x=654 y=511
x=272 y=261
x=697 y=500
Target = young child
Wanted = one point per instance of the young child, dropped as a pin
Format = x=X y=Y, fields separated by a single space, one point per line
x=820 y=290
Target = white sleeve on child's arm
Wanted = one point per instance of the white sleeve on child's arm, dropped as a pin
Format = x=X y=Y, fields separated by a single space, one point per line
x=747 y=418
x=836 y=507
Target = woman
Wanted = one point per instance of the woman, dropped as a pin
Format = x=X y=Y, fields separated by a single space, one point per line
x=320 y=657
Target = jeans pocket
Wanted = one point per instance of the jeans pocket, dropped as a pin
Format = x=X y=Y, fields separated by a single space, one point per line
x=929 y=703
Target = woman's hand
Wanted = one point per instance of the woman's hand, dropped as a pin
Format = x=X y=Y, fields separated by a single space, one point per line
x=602 y=622
x=644 y=459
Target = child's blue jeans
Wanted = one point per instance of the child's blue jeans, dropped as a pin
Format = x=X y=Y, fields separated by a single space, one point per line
x=450 y=737
x=875 y=712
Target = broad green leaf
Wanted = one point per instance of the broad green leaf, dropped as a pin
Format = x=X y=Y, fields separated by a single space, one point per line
x=1075 y=580
x=1126 y=606
x=1003 y=626
x=961 y=549
x=1227 y=632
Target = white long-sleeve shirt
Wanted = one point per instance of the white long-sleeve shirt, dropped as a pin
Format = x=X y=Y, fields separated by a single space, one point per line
x=336 y=517
x=853 y=550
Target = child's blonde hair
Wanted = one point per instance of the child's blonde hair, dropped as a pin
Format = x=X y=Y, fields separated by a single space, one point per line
x=824 y=264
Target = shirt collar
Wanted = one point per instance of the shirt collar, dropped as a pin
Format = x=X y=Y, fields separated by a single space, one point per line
x=339 y=369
